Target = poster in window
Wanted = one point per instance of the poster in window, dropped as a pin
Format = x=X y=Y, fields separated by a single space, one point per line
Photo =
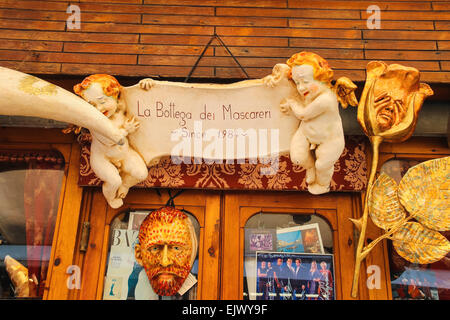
x=294 y=276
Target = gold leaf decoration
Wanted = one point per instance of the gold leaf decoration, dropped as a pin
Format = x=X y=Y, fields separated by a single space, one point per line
x=36 y=86
x=417 y=244
x=425 y=192
x=384 y=208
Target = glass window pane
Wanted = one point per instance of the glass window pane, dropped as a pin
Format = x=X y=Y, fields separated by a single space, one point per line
x=410 y=281
x=288 y=257
x=125 y=278
x=30 y=187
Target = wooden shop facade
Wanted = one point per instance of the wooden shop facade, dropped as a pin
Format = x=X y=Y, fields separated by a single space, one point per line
x=55 y=221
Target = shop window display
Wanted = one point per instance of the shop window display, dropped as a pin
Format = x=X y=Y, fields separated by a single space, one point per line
x=288 y=257
x=412 y=281
x=30 y=185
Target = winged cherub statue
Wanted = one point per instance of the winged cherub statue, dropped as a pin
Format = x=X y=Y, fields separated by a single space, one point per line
x=319 y=141
x=119 y=166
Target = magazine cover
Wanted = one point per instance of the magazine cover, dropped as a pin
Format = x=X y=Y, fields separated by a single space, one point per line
x=123 y=270
x=304 y=238
x=294 y=276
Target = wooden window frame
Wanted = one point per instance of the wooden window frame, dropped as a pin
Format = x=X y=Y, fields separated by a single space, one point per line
x=66 y=225
x=205 y=206
x=223 y=244
x=334 y=207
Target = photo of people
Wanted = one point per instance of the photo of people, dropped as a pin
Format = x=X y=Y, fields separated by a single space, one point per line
x=294 y=276
x=260 y=240
x=415 y=284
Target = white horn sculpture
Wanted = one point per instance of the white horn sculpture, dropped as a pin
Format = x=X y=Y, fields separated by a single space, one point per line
x=24 y=95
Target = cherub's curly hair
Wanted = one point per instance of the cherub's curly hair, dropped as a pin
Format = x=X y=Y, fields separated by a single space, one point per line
x=110 y=85
x=322 y=70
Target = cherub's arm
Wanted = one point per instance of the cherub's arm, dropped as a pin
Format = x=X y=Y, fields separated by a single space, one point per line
x=126 y=122
x=320 y=105
x=291 y=104
x=297 y=108
x=302 y=112
x=130 y=124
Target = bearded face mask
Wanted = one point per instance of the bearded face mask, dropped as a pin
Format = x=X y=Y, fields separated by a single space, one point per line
x=167 y=248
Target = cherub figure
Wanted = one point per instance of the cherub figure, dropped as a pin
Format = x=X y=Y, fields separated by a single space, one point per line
x=319 y=141
x=119 y=166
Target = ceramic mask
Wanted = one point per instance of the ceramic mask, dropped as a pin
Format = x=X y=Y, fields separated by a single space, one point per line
x=165 y=249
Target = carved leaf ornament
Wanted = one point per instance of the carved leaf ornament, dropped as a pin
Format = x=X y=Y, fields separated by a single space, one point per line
x=384 y=208
x=418 y=244
x=423 y=192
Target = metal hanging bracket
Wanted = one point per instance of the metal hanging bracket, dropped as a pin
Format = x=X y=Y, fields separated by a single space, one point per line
x=215 y=36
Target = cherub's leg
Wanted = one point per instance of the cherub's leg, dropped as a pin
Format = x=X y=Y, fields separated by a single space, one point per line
x=109 y=174
x=327 y=154
x=134 y=171
x=301 y=155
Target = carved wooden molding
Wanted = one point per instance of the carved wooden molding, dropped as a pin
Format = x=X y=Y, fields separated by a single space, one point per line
x=350 y=173
x=27 y=156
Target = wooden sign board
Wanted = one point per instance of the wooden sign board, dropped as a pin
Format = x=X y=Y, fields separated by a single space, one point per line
x=211 y=122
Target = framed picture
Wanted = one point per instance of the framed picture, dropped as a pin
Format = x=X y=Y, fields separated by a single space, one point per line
x=294 y=276
x=304 y=238
x=260 y=240
x=136 y=218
